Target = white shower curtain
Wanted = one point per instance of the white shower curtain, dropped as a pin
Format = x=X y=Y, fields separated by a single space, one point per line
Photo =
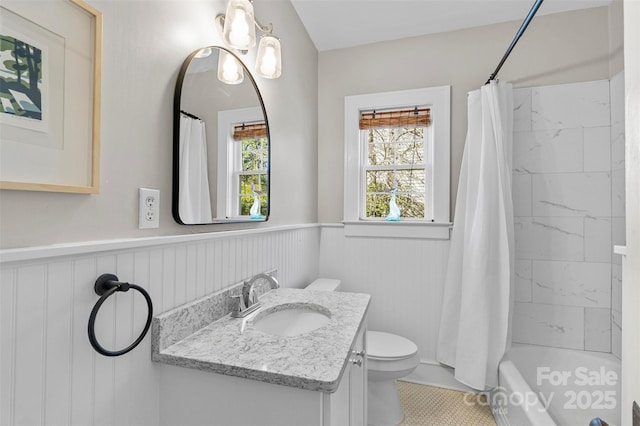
x=194 y=203
x=475 y=327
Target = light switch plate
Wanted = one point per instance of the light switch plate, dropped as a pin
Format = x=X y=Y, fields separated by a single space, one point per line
x=149 y=208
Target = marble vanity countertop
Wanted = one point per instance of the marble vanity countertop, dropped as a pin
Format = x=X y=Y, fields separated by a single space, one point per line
x=315 y=360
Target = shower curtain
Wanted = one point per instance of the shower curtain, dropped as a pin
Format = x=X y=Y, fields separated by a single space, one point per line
x=194 y=204
x=475 y=327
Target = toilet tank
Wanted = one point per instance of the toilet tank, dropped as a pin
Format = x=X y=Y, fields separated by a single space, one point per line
x=325 y=284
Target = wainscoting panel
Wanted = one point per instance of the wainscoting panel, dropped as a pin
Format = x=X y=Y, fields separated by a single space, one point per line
x=50 y=374
x=405 y=277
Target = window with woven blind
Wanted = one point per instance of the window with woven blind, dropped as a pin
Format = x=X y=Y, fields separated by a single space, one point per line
x=416 y=117
x=250 y=164
x=397 y=147
x=397 y=151
x=249 y=130
x=243 y=162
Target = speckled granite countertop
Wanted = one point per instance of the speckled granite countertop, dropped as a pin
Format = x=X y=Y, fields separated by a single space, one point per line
x=231 y=346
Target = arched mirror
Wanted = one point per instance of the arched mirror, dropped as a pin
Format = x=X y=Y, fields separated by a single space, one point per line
x=220 y=142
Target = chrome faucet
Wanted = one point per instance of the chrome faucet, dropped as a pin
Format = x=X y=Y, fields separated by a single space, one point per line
x=248 y=301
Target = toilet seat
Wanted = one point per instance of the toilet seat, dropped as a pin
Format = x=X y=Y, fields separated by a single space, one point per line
x=387 y=346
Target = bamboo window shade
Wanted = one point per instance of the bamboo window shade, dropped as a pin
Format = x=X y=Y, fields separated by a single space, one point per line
x=416 y=117
x=249 y=131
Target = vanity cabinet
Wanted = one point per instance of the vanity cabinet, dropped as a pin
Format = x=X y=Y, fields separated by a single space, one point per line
x=358 y=383
x=192 y=397
x=348 y=405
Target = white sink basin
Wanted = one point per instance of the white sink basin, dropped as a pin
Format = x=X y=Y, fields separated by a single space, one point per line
x=291 y=320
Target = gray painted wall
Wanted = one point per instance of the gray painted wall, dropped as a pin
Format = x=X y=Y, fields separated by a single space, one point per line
x=144 y=45
x=560 y=48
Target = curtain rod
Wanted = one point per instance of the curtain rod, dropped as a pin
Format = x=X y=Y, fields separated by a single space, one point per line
x=188 y=114
x=523 y=27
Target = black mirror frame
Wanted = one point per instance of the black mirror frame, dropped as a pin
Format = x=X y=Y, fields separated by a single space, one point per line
x=176 y=143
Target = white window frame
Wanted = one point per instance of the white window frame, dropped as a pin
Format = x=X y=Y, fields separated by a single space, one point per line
x=227 y=155
x=438 y=99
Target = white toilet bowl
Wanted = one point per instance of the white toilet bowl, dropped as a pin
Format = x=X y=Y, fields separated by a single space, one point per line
x=389 y=357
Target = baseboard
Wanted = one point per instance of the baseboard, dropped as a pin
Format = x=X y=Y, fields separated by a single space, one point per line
x=436 y=375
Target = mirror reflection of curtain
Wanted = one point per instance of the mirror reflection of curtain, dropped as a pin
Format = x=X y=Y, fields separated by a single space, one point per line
x=194 y=200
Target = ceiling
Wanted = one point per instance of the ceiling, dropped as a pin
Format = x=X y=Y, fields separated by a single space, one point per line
x=336 y=24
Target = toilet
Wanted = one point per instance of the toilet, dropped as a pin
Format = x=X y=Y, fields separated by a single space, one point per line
x=389 y=357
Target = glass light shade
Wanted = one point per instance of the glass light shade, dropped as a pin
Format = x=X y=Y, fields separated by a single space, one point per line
x=268 y=61
x=239 y=25
x=203 y=53
x=229 y=69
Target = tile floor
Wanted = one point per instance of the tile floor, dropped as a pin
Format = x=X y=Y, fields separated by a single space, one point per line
x=431 y=406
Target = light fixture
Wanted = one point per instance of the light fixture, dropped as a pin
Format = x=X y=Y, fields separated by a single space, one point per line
x=229 y=69
x=205 y=52
x=268 y=63
x=238 y=29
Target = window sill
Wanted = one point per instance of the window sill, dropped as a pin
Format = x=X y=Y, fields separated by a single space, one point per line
x=402 y=229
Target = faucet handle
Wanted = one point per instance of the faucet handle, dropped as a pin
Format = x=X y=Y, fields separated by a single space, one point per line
x=242 y=309
x=240 y=306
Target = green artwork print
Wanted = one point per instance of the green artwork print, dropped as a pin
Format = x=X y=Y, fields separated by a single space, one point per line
x=20 y=78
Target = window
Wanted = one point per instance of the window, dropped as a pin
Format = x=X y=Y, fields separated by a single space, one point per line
x=397 y=157
x=397 y=144
x=250 y=153
x=245 y=158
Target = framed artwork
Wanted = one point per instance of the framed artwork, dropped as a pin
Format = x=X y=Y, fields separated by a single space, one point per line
x=50 y=62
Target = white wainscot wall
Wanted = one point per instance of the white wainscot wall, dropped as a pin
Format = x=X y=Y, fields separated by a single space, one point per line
x=49 y=373
x=404 y=276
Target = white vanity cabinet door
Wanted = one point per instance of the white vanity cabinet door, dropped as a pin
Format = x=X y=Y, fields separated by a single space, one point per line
x=358 y=383
x=190 y=397
x=347 y=406
x=336 y=405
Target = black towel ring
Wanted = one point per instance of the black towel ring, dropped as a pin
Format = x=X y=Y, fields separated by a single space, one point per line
x=105 y=286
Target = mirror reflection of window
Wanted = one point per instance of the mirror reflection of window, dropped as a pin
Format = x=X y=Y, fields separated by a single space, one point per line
x=245 y=159
x=251 y=157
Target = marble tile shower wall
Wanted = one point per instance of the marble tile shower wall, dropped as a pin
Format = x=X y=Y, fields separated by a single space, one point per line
x=568 y=193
